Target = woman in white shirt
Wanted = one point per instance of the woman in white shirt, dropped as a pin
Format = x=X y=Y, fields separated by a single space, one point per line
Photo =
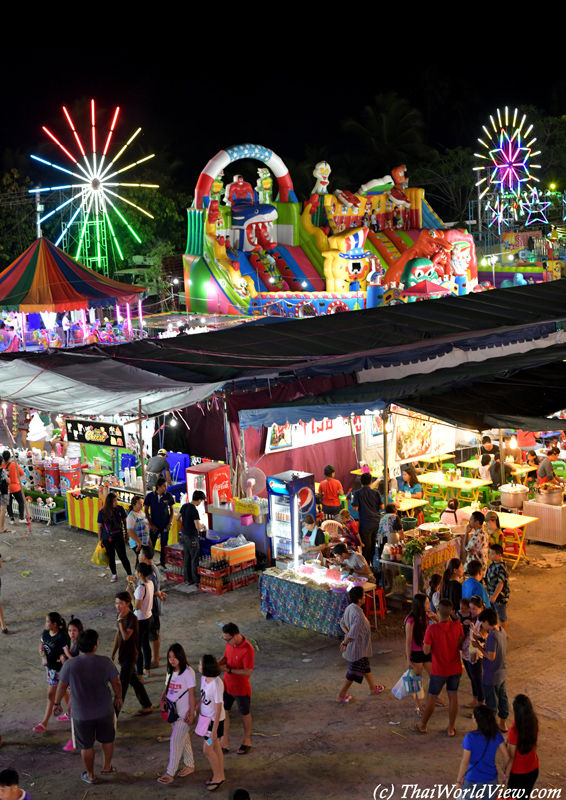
x=453 y=514
x=211 y=721
x=142 y=603
x=179 y=689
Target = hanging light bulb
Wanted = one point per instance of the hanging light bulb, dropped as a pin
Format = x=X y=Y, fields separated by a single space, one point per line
x=512 y=443
x=173 y=421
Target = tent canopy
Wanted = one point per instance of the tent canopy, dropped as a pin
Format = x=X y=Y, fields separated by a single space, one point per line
x=44 y=278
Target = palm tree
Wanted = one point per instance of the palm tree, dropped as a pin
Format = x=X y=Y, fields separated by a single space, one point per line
x=390 y=132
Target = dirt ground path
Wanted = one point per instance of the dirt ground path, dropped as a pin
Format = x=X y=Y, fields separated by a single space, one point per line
x=304 y=744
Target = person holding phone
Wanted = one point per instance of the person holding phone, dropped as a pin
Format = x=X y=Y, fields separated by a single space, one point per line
x=211 y=721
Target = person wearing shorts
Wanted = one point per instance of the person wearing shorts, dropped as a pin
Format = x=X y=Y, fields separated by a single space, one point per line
x=443 y=641
x=93 y=711
x=237 y=664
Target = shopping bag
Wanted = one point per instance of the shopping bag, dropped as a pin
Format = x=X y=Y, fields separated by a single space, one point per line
x=399 y=690
x=100 y=556
x=412 y=683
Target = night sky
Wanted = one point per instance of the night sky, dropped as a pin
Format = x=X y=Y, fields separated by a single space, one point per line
x=194 y=94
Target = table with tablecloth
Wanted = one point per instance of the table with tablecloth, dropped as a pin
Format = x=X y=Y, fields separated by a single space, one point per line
x=299 y=605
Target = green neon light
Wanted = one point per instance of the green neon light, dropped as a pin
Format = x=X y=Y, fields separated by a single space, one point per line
x=98 y=240
x=82 y=237
x=113 y=235
x=127 y=224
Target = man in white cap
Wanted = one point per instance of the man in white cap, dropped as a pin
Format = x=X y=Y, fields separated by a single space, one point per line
x=157 y=467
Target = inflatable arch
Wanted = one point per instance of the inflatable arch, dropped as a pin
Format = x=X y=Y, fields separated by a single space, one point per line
x=236 y=153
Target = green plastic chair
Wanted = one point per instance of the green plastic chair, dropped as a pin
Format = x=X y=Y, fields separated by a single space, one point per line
x=434 y=518
x=447 y=465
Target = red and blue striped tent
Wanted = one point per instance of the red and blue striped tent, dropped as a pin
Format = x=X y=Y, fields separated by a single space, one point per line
x=44 y=278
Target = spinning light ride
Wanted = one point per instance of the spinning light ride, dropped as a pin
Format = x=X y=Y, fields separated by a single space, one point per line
x=87 y=228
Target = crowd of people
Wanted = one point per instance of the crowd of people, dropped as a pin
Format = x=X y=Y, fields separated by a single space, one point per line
x=89 y=691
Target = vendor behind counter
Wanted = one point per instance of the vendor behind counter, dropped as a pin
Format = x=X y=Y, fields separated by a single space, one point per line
x=158 y=467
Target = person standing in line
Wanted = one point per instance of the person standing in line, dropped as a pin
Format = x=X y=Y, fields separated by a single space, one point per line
x=15 y=472
x=471 y=656
x=126 y=644
x=137 y=526
x=450 y=586
x=237 y=664
x=478 y=543
x=494 y=651
x=54 y=639
x=74 y=628
x=93 y=712
x=158 y=507
x=367 y=502
x=189 y=516
x=9 y=789
x=497 y=583
x=142 y=603
x=158 y=467
x=159 y=597
x=331 y=489
x=480 y=748
x=213 y=715
x=443 y=641
x=2 y=620
x=180 y=690
x=473 y=584
x=523 y=768
x=111 y=534
x=416 y=623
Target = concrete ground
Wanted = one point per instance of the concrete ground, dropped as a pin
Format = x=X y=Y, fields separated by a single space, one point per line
x=304 y=743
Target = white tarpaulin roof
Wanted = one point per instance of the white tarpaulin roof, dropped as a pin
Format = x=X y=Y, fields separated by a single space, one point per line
x=96 y=388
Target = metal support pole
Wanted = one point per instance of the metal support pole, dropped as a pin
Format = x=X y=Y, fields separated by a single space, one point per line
x=140 y=434
x=501 y=459
x=227 y=437
x=385 y=466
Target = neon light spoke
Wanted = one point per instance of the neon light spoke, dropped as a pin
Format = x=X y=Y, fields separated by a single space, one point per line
x=55 y=210
x=56 y=166
x=84 y=229
x=81 y=148
x=112 y=126
x=126 y=223
x=56 y=140
x=50 y=189
x=113 y=234
x=139 y=208
x=75 y=215
x=134 y=164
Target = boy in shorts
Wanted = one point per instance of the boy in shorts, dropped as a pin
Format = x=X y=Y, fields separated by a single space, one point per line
x=497 y=583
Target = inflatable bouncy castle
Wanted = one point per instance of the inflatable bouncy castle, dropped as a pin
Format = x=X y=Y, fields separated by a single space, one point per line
x=256 y=250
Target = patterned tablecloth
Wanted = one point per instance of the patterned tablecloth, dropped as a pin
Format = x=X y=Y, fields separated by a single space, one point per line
x=299 y=605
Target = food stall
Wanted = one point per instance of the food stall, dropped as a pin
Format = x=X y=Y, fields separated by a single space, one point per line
x=550 y=510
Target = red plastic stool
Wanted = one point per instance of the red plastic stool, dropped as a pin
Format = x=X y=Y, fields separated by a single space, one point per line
x=380 y=606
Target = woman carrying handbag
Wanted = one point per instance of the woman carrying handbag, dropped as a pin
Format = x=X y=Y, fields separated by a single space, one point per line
x=177 y=706
x=111 y=533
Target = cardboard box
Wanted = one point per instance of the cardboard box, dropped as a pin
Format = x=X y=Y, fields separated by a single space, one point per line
x=234 y=555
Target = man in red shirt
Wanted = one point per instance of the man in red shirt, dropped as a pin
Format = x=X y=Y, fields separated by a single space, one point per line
x=443 y=640
x=237 y=663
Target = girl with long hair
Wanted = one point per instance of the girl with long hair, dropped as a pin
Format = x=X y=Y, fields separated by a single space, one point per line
x=53 y=641
x=523 y=767
x=179 y=689
x=450 y=586
x=212 y=714
x=71 y=650
x=415 y=626
x=411 y=481
x=477 y=767
x=433 y=592
x=111 y=533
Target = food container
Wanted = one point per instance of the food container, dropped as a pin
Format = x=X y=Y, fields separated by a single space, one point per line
x=513 y=495
x=551 y=497
x=319 y=573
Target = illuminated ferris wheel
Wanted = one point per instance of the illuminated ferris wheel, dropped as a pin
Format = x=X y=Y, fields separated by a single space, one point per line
x=91 y=217
x=506 y=159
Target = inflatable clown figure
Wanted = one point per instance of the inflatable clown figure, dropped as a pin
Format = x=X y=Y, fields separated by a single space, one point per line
x=322 y=174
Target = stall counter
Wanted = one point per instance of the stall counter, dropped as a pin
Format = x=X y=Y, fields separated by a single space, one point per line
x=227 y=522
x=83 y=513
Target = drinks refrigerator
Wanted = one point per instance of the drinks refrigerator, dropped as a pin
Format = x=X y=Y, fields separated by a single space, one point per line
x=291 y=497
x=214 y=480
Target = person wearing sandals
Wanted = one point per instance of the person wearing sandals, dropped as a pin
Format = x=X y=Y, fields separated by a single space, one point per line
x=237 y=664
x=356 y=646
x=93 y=712
x=142 y=603
x=471 y=656
x=523 y=767
x=180 y=690
x=2 y=620
x=74 y=628
x=415 y=626
x=53 y=641
x=211 y=719
x=4 y=497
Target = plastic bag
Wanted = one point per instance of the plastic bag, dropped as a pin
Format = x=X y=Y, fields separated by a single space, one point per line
x=412 y=683
x=100 y=556
x=399 y=689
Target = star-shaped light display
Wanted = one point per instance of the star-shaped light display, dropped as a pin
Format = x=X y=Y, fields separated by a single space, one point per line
x=535 y=208
x=497 y=211
x=509 y=151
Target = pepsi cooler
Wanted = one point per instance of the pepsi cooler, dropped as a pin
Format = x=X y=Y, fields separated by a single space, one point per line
x=291 y=496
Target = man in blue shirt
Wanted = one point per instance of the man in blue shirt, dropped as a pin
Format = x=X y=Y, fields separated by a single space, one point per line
x=473 y=586
x=367 y=502
x=158 y=507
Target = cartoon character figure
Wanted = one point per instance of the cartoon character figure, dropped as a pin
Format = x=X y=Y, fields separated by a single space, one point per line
x=417 y=270
x=264 y=185
x=217 y=187
x=347 y=262
x=238 y=192
x=430 y=244
x=322 y=174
